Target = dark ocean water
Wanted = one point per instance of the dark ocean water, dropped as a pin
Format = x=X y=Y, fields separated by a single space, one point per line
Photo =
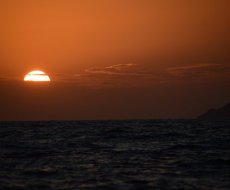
x=132 y=155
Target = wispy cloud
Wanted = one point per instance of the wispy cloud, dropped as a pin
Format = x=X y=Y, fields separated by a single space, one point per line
x=118 y=75
x=127 y=69
x=7 y=78
x=201 y=69
x=2 y=78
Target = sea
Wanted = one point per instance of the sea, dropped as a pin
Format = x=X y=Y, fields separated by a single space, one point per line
x=115 y=155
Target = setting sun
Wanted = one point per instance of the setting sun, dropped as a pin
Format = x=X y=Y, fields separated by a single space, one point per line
x=37 y=76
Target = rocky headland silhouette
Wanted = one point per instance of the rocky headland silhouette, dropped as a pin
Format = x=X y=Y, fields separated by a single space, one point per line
x=217 y=114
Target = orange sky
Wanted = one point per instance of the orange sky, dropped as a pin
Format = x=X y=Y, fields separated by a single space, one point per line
x=114 y=59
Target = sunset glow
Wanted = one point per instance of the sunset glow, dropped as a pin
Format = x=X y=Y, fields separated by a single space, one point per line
x=37 y=76
x=116 y=59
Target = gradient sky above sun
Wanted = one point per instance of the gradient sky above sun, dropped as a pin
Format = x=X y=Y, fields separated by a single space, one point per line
x=114 y=59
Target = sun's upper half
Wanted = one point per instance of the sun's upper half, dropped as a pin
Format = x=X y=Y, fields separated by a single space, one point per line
x=37 y=76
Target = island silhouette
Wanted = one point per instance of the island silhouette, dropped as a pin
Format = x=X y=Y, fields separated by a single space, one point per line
x=217 y=114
